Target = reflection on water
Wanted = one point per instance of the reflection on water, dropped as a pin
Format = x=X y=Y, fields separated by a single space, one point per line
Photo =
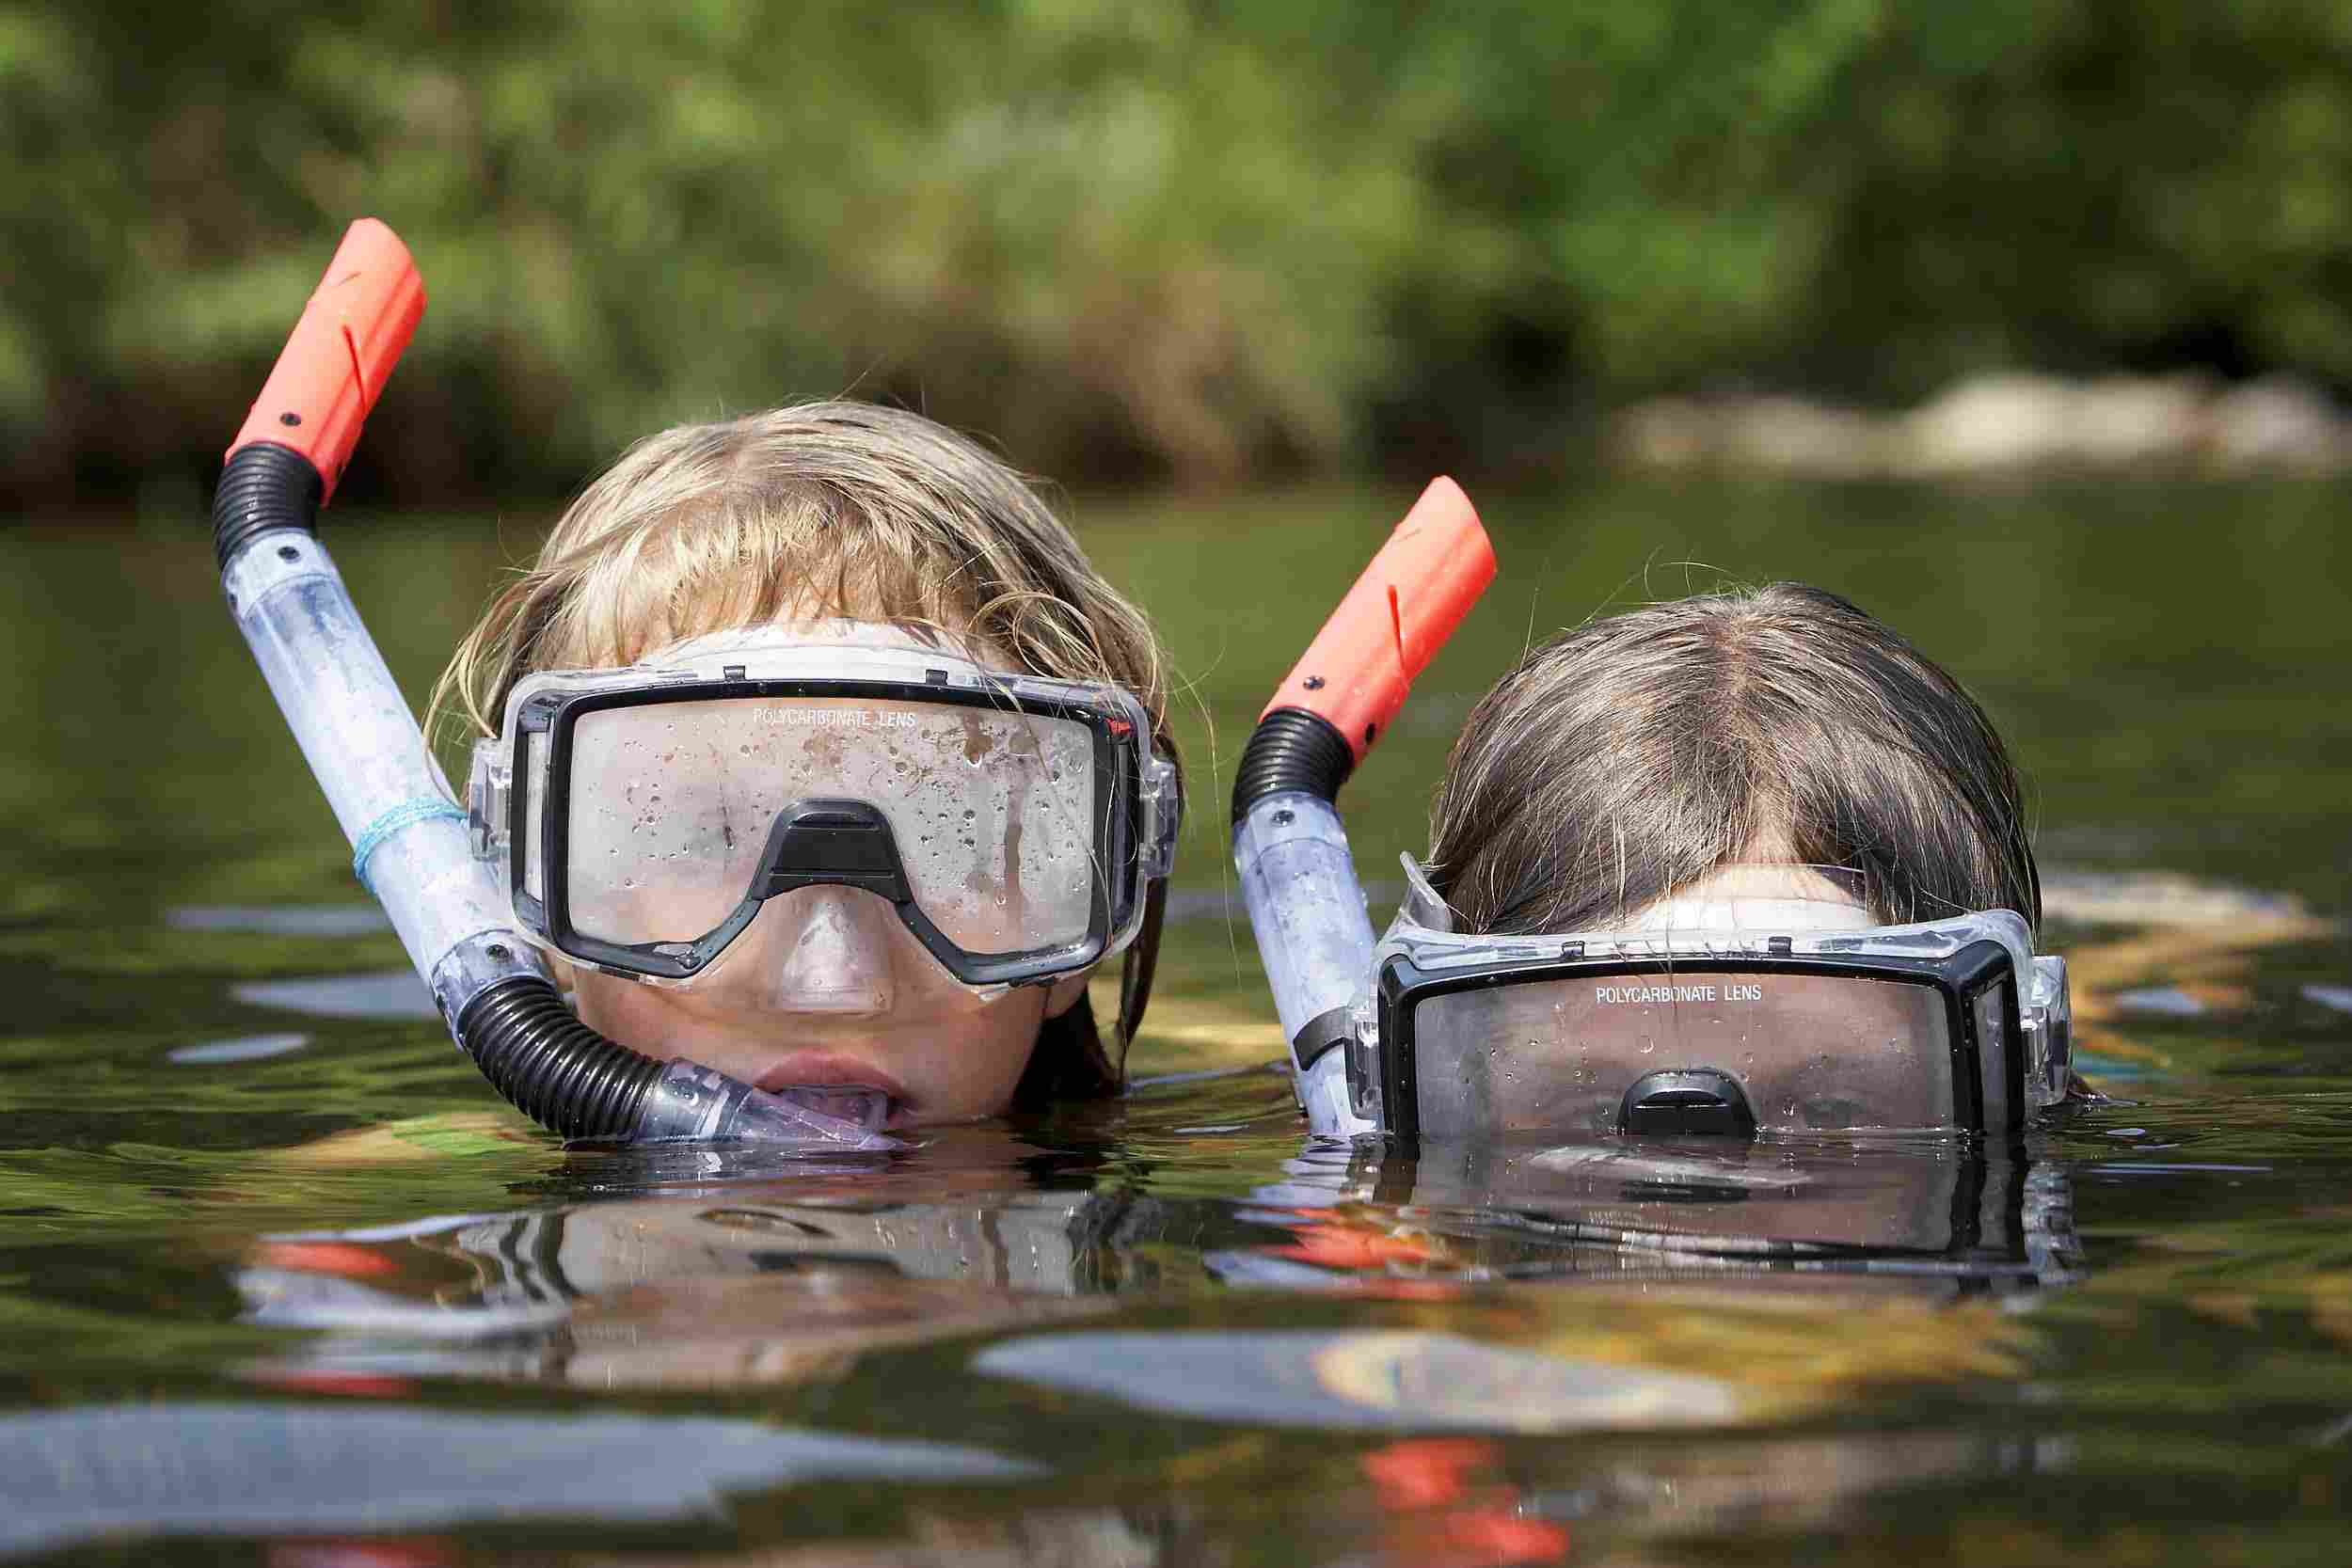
x=1944 y=1215
x=716 y=1290
x=388 y=993
x=280 y=1281
x=244 y=1047
x=1004 y=1272
x=240 y=1469
x=1165 y=1331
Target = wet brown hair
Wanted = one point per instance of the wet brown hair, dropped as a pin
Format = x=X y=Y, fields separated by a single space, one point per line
x=1627 y=759
x=820 y=509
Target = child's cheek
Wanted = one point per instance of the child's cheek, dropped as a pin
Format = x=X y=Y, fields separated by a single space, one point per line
x=644 y=1018
x=965 y=1062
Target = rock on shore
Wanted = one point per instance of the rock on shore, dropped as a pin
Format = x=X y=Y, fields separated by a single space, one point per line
x=2003 y=422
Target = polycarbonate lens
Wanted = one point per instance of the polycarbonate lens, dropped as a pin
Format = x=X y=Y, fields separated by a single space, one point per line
x=671 y=806
x=1815 y=1052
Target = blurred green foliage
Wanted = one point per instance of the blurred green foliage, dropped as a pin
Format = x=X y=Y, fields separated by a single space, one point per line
x=1197 y=239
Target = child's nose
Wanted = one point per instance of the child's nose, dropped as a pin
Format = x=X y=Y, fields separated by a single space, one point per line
x=827 y=950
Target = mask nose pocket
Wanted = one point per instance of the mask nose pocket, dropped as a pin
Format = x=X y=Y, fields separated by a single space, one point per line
x=1687 y=1100
x=826 y=950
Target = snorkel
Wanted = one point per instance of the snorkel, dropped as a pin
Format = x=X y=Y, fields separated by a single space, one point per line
x=1298 y=879
x=410 y=846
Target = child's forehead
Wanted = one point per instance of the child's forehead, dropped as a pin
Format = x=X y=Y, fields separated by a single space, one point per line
x=803 y=632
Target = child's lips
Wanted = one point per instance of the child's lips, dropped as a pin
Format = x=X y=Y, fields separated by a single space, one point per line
x=832 y=1069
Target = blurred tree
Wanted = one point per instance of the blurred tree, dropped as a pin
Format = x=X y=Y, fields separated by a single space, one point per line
x=1201 y=239
x=2091 y=182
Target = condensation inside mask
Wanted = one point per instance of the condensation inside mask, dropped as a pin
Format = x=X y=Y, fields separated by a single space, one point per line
x=672 y=803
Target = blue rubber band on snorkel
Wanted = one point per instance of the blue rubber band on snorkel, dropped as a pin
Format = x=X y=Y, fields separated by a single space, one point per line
x=406 y=815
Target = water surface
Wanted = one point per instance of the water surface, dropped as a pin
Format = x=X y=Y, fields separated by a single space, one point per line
x=282 y=1281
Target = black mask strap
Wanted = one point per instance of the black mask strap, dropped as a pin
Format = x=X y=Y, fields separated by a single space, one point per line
x=1143 y=957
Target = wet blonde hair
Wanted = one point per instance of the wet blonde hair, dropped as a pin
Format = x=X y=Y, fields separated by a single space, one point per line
x=819 y=509
x=1627 y=759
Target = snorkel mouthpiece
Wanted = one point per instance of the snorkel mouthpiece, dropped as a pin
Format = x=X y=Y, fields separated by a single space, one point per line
x=409 y=841
x=1298 y=879
x=699 y=1104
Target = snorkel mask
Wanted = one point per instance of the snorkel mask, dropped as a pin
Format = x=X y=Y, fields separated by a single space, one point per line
x=1769 y=1005
x=640 y=818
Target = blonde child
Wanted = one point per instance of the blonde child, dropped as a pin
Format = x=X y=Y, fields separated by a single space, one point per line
x=877 y=615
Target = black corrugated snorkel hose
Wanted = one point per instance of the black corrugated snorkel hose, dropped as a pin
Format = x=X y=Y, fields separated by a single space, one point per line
x=1291 y=747
x=550 y=1065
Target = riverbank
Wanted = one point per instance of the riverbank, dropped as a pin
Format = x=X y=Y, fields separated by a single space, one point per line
x=2000 y=423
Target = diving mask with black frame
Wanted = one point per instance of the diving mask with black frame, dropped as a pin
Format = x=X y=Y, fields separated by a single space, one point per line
x=642 y=817
x=1774 y=1010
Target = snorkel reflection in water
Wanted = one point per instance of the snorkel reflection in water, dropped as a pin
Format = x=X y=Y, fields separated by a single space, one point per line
x=1733 y=999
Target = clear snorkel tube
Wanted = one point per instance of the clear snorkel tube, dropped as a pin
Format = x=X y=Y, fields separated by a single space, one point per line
x=1297 y=878
x=409 y=841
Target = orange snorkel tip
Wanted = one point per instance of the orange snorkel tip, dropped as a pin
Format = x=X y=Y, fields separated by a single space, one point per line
x=1356 y=673
x=327 y=377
